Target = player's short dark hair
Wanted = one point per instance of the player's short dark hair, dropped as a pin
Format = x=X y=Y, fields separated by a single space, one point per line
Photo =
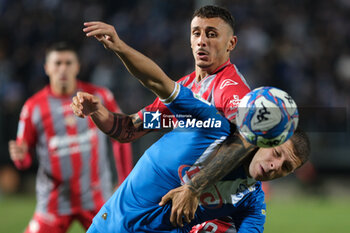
x=301 y=145
x=60 y=47
x=214 y=12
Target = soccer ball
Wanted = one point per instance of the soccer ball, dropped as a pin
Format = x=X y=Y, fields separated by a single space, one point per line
x=267 y=117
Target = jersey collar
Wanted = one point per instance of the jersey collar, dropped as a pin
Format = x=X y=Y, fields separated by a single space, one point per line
x=228 y=62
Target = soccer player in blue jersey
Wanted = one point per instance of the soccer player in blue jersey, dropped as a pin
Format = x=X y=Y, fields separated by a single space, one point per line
x=178 y=155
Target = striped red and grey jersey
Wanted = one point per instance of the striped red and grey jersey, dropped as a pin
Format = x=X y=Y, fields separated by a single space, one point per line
x=74 y=169
x=224 y=89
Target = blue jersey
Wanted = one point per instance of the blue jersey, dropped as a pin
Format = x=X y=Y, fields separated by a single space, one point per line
x=172 y=161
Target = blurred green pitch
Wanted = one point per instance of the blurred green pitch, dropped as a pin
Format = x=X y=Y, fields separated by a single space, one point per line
x=294 y=215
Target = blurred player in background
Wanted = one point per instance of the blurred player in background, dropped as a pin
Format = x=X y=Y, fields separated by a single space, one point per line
x=75 y=174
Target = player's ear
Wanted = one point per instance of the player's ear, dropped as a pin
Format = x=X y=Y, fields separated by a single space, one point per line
x=46 y=69
x=232 y=43
x=78 y=67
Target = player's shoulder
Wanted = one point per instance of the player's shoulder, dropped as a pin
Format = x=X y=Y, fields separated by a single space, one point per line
x=35 y=100
x=187 y=79
x=231 y=72
x=229 y=79
x=38 y=96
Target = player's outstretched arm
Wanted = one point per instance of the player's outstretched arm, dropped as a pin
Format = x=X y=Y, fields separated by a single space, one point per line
x=122 y=127
x=140 y=66
x=228 y=157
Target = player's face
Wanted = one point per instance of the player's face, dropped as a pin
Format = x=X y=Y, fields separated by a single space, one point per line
x=62 y=67
x=272 y=163
x=212 y=40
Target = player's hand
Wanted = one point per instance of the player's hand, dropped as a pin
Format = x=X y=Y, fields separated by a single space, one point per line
x=17 y=151
x=84 y=104
x=184 y=204
x=104 y=33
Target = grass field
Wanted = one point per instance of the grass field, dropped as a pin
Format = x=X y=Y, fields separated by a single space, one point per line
x=294 y=215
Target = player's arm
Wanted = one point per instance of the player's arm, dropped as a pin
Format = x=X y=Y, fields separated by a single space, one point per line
x=26 y=139
x=122 y=151
x=19 y=154
x=227 y=158
x=140 y=66
x=185 y=199
x=122 y=127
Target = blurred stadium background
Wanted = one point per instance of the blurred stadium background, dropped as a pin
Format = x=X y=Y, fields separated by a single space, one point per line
x=301 y=46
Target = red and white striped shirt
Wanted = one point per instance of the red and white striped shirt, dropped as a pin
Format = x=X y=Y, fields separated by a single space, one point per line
x=74 y=168
x=224 y=89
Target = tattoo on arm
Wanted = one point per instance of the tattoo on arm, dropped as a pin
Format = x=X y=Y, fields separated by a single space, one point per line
x=126 y=128
x=227 y=157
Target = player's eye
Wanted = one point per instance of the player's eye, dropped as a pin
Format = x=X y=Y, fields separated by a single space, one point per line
x=277 y=153
x=211 y=34
x=196 y=33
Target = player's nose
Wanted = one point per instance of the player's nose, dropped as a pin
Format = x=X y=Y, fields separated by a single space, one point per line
x=202 y=40
x=275 y=164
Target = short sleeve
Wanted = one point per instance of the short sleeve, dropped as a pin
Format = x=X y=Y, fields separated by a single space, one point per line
x=26 y=130
x=228 y=97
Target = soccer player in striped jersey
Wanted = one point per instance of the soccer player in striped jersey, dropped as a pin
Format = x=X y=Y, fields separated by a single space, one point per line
x=74 y=178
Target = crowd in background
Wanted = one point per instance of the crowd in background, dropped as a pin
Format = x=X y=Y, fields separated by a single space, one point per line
x=301 y=46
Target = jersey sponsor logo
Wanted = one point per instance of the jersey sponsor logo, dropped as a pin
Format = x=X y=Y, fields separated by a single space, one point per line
x=234 y=102
x=70 y=120
x=228 y=191
x=215 y=226
x=228 y=82
x=211 y=199
x=156 y=120
x=68 y=144
x=186 y=172
x=64 y=109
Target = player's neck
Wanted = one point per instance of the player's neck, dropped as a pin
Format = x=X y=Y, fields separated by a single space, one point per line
x=202 y=73
x=200 y=76
x=64 y=90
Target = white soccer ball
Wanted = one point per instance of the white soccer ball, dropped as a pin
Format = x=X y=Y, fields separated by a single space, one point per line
x=267 y=117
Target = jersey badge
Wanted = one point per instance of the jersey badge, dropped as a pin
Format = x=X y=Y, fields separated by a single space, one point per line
x=227 y=82
x=70 y=120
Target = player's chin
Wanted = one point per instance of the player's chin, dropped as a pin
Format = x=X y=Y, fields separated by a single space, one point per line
x=261 y=177
x=203 y=64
